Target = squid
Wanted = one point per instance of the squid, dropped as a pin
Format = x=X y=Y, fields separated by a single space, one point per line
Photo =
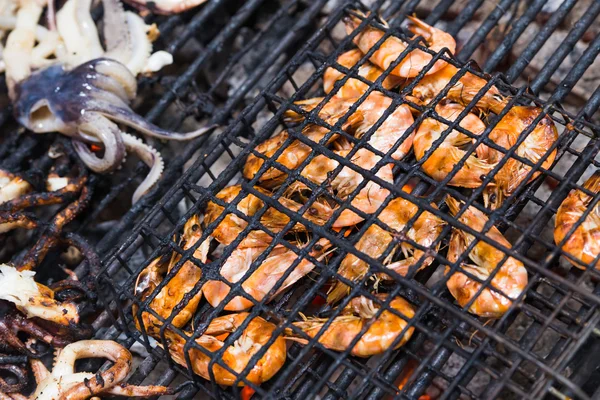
x=84 y=91
x=64 y=383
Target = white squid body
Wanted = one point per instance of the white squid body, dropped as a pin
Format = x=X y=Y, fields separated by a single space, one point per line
x=81 y=42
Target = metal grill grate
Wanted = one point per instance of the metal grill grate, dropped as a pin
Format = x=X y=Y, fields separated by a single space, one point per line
x=558 y=306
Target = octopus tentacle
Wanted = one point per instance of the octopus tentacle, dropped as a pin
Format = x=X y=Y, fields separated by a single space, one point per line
x=109 y=84
x=151 y=157
x=108 y=133
x=127 y=117
x=118 y=72
x=18 y=372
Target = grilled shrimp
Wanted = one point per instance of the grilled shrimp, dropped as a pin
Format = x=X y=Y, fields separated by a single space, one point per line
x=463 y=91
x=368 y=199
x=255 y=336
x=391 y=49
x=443 y=159
x=370 y=111
x=584 y=243
x=232 y=225
x=360 y=312
x=424 y=231
x=509 y=281
x=533 y=148
x=266 y=276
x=355 y=87
x=178 y=288
x=294 y=154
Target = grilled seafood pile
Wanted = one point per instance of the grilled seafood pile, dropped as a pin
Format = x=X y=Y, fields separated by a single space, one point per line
x=63 y=80
x=254 y=241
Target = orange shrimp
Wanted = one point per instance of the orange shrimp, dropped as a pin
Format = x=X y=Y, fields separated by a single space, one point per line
x=178 y=287
x=232 y=225
x=266 y=276
x=383 y=330
x=424 y=231
x=255 y=336
x=353 y=87
x=294 y=154
x=509 y=281
x=371 y=110
x=462 y=92
x=391 y=49
x=444 y=158
x=584 y=243
x=533 y=148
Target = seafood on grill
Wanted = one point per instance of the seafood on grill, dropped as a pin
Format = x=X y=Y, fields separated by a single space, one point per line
x=353 y=87
x=536 y=148
x=179 y=288
x=447 y=155
x=296 y=151
x=508 y=275
x=392 y=47
x=12 y=186
x=398 y=215
x=232 y=225
x=13 y=325
x=581 y=236
x=65 y=383
x=391 y=132
x=164 y=7
x=387 y=328
x=20 y=376
x=86 y=91
x=35 y=299
x=253 y=339
x=267 y=276
x=462 y=92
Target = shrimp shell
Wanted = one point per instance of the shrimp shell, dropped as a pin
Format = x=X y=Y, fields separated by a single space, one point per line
x=255 y=336
x=178 y=288
x=354 y=87
x=510 y=280
x=371 y=110
x=584 y=243
x=449 y=153
x=535 y=146
x=266 y=276
x=462 y=92
x=381 y=334
x=233 y=225
x=424 y=231
x=391 y=49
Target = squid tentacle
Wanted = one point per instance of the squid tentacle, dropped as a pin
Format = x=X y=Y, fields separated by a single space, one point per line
x=151 y=157
x=101 y=128
x=133 y=120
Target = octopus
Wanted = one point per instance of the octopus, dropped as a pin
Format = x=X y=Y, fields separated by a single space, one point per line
x=64 y=383
x=73 y=86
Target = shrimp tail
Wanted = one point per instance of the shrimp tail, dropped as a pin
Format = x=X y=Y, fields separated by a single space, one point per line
x=593 y=183
x=337 y=292
x=419 y=27
x=453 y=204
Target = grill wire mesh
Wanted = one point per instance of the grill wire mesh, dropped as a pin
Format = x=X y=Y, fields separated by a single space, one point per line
x=558 y=305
